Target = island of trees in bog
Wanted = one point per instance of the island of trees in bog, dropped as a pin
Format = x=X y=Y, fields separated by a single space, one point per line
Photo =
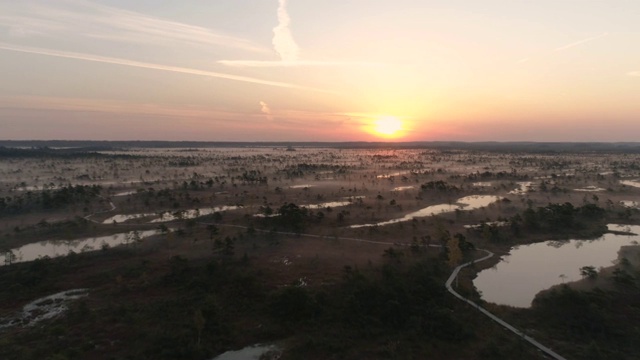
x=187 y=250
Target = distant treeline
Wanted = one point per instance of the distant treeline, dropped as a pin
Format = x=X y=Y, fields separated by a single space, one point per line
x=532 y=147
x=48 y=152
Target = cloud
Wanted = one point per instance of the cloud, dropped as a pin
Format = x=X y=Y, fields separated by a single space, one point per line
x=287 y=49
x=145 y=65
x=634 y=73
x=283 y=44
x=266 y=111
x=580 y=42
x=79 y=18
x=283 y=41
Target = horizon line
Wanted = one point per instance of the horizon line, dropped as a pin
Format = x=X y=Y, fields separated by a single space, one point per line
x=329 y=142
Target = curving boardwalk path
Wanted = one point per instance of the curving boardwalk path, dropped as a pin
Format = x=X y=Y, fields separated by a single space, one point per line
x=448 y=283
x=506 y=325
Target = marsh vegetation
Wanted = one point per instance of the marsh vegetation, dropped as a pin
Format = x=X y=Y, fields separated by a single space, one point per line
x=323 y=252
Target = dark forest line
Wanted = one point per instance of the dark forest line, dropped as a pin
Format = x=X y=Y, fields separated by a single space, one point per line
x=539 y=147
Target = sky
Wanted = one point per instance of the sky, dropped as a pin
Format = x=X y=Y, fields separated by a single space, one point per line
x=312 y=70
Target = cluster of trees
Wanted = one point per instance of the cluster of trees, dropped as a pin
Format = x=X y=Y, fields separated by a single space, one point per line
x=557 y=219
x=560 y=217
x=299 y=170
x=47 y=152
x=439 y=185
x=401 y=302
x=290 y=216
x=252 y=177
x=189 y=161
x=49 y=199
x=399 y=310
x=501 y=175
x=598 y=324
x=167 y=197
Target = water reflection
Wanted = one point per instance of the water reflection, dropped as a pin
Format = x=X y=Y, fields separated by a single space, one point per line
x=482 y=184
x=170 y=216
x=191 y=214
x=536 y=267
x=55 y=248
x=633 y=183
x=325 y=205
x=629 y=203
x=387 y=176
x=44 y=308
x=590 y=188
x=122 y=218
x=402 y=188
x=465 y=203
x=126 y=193
x=320 y=206
x=523 y=188
x=250 y=353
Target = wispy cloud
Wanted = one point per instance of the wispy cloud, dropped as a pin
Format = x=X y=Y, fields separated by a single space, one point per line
x=114 y=107
x=81 y=18
x=580 y=42
x=634 y=73
x=146 y=65
x=264 y=108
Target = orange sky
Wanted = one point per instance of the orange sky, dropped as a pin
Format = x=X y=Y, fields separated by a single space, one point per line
x=241 y=70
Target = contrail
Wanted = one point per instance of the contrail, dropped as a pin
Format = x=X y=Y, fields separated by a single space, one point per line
x=580 y=42
x=145 y=65
x=302 y=63
x=87 y=19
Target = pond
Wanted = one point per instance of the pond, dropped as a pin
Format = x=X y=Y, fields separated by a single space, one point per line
x=123 y=217
x=126 y=193
x=55 y=248
x=629 y=203
x=191 y=214
x=321 y=206
x=168 y=215
x=251 y=352
x=522 y=189
x=633 y=183
x=465 y=203
x=590 y=188
x=301 y=186
x=529 y=269
x=482 y=184
x=325 y=205
x=43 y=309
x=388 y=176
x=403 y=188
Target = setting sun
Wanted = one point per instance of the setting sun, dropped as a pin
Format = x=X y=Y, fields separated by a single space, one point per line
x=387 y=126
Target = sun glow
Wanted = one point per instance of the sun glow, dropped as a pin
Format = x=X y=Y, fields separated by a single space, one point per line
x=387 y=126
